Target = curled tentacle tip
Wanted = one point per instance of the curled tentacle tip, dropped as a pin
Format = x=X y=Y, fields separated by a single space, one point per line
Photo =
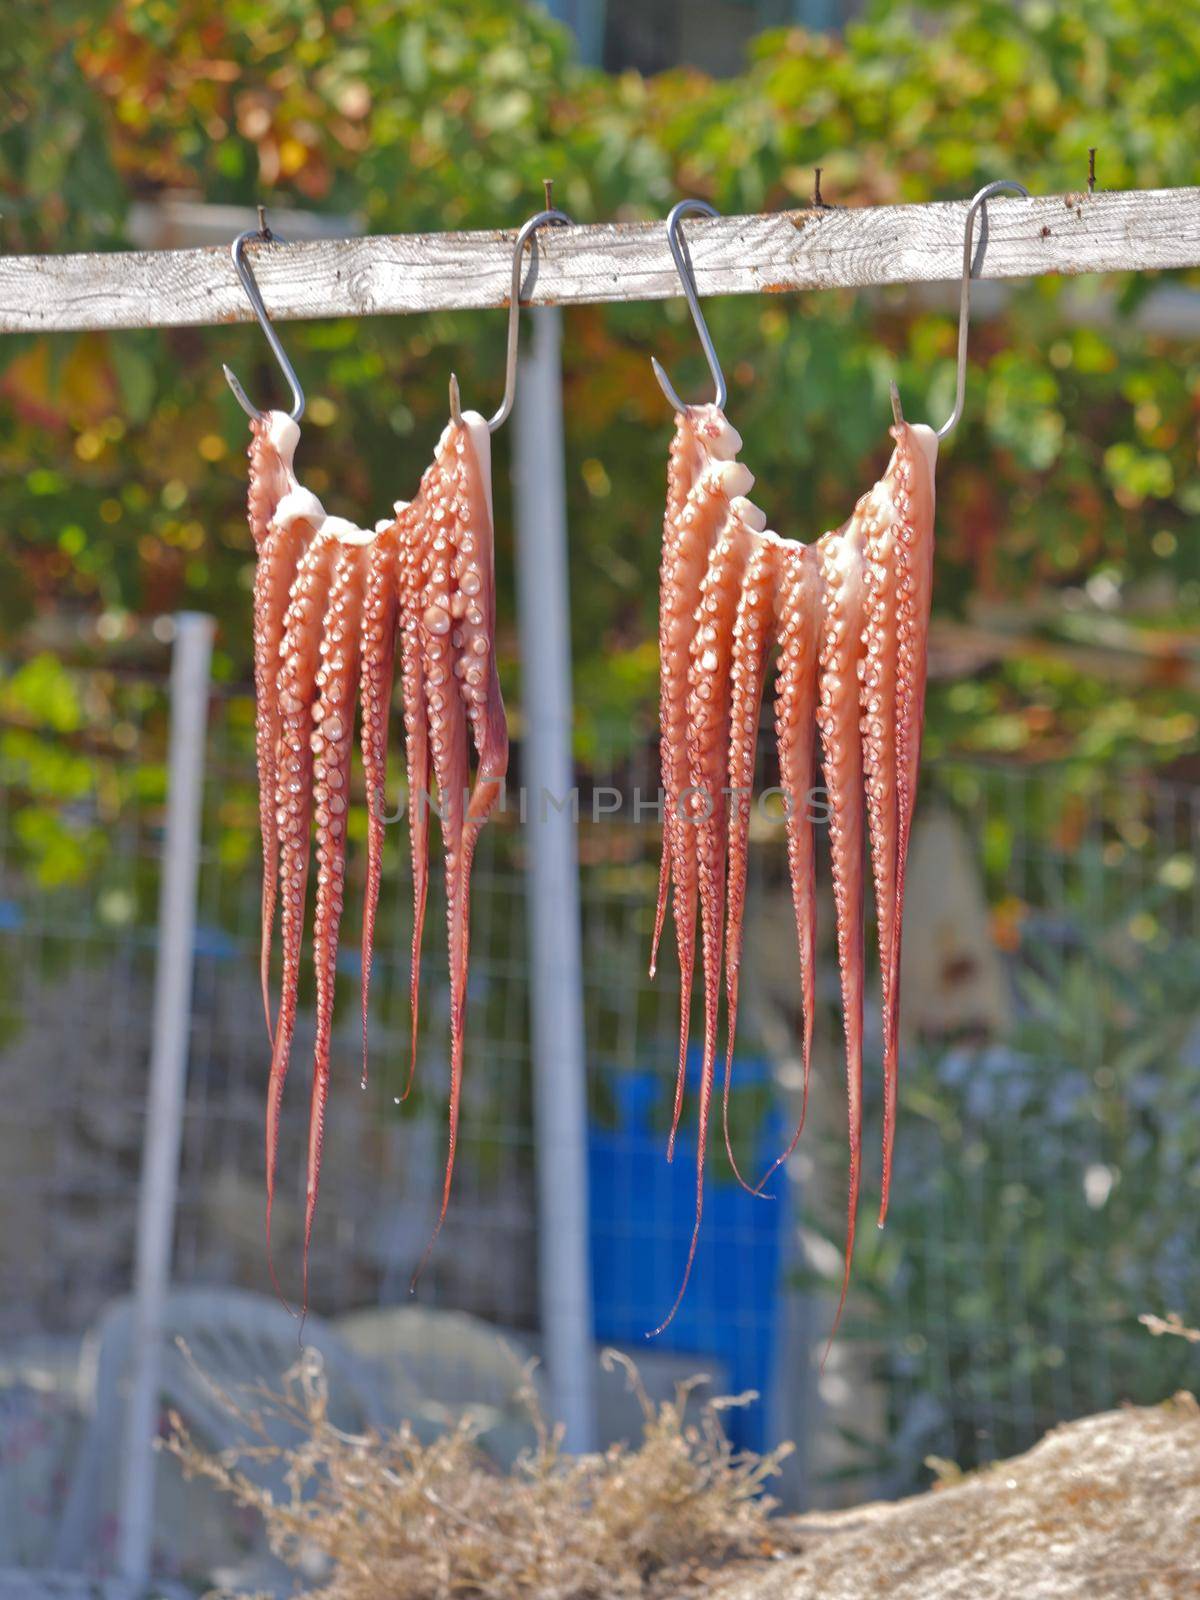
x=670 y=1316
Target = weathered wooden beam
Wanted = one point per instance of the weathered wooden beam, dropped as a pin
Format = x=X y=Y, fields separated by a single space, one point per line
x=1136 y=230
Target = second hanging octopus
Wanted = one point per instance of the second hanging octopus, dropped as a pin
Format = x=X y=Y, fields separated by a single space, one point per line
x=848 y=619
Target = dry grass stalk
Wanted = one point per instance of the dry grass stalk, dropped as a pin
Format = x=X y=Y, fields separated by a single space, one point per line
x=1171 y=1323
x=393 y=1516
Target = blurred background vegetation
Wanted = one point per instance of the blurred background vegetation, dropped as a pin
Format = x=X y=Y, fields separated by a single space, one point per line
x=1068 y=580
x=1065 y=498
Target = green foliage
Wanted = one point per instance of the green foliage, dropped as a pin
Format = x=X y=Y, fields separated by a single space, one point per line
x=1020 y=1258
x=1045 y=1196
x=120 y=457
x=79 y=755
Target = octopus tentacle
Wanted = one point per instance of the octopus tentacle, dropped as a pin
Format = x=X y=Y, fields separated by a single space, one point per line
x=700 y=432
x=710 y=662
x=331 y=741
x=414 y=575
x=299 y=659
x=753 y=631
x=462 y=690
x=679 y=486
x=447 y=739
x=279 y=547
x=709 y=705
x=910 y=480
x=473 y=607
x=798 y=629
x=380 y=614
x=877 y=703
x=272 y=450
x=699 y=525
x=843 y=572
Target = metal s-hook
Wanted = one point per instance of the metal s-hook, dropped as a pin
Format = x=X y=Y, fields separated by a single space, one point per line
x=242 y=267
x=500 y=416
x=964 y=301
x=683 y=266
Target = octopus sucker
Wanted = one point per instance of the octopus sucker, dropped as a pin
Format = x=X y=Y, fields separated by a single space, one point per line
x=910 y=480
x=380 y=616
x=331 y=740
x=798 y=619
x=843 y=573
x=701 y=523
x=298 y=689
x=753 y=632
x=701 y=433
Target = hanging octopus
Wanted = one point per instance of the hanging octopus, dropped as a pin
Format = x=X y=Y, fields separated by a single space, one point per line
x=453 y=682
x=712 y=535
x=848 y=618
x=753 y=630
x=274 y=437
x=900 y=592
x=332 y=603
x=703 y=477
x=797 y=632
x=842 y=558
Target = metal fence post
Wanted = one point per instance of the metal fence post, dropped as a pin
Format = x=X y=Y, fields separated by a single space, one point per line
x=191 y=657
x=556 y=969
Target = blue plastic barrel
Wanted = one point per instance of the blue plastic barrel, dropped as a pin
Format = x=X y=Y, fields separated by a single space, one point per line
x=642 y=1211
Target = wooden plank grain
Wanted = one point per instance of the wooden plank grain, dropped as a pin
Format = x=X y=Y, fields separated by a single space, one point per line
x=1135 y=230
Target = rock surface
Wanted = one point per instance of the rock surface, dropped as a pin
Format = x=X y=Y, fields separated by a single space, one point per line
x=1108 y=1506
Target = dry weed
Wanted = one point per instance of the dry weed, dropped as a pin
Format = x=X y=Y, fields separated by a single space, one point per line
x=393 y=1516
x=1173 y=1323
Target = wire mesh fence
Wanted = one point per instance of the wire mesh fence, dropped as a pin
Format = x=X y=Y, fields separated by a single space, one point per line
x=1048 y=1161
